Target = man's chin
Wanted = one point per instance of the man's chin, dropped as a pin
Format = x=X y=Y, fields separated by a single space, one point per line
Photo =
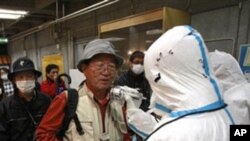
x=105 y=86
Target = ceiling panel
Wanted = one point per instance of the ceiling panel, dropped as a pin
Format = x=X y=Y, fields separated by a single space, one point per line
x=42 y=11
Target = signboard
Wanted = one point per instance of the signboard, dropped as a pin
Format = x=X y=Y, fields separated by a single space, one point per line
x=244 y=60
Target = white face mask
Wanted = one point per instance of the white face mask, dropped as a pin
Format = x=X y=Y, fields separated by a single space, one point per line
x=26 y=86
x=137 y=68
x=4 y=76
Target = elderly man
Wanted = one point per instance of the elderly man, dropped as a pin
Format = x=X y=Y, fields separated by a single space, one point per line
x=21 y=113
x=99 y=65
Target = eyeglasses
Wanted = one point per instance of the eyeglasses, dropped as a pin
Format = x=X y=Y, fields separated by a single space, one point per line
x=101 y=66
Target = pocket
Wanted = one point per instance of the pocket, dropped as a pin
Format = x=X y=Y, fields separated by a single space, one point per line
x=87 y=126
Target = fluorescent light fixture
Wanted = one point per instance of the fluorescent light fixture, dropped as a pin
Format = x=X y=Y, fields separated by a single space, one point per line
x=154 y=31
x=3 y=40
x=114 y=39
x=11 y=14
x=148 y=41
x=130 y=52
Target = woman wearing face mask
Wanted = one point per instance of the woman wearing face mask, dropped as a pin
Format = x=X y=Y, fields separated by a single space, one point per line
x=22 y=112
x=50 y=86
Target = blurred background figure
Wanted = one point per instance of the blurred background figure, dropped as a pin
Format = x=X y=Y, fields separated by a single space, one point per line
x=134 y=77
x=1 y=89
x=234 y=84
x=50 y=86
x=21 y=113
x=7 y=85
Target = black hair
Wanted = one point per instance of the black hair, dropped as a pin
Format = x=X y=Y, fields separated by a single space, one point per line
x=136 y=54
x=50 y=67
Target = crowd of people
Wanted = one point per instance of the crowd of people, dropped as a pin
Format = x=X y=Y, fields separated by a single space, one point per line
x=184 y=91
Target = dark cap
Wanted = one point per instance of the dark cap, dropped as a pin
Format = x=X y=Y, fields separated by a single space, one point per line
x=99 y=46
x=23 y=64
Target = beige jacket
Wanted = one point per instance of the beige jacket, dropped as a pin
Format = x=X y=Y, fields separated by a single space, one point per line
x=89 y=115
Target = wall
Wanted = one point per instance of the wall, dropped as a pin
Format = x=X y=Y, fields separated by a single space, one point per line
x=221 y=28
x=224 y=29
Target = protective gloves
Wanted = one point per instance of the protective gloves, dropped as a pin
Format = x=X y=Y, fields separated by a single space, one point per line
x=118 y=96
x=132 y=96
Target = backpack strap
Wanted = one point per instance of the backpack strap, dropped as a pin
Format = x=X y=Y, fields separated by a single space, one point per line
x=70 y=113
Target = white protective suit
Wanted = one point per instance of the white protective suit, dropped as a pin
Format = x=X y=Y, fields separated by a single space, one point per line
x=184 y=88
x=235 y=86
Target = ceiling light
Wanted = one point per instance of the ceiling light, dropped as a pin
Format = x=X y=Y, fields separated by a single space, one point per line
x=154 y=31
x=114 y=39
x=130 y=52
x=3 y=40
x=148 y=41
x=11 y=14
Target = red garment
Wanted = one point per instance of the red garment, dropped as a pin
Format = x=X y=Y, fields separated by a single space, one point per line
x=103 y=105
x=52 y=120
x=50 y=88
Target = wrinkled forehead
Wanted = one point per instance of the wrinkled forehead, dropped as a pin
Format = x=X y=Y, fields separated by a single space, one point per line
x=103 y=57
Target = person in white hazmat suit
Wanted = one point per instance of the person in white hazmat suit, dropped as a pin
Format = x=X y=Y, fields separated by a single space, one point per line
x=185 y=92
x=234 y=85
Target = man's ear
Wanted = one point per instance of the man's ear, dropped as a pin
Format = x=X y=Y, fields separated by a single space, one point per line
x=84 y=67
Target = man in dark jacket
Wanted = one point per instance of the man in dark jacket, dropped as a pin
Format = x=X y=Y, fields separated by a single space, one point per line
x=134 y=78
x=21 y=113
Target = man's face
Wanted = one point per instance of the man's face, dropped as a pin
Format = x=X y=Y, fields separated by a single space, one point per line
x=100 y=72
x=3 y=74
x=136 y=61
x=25 y=82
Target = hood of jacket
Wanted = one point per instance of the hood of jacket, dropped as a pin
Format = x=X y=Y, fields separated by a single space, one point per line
x=178 y=69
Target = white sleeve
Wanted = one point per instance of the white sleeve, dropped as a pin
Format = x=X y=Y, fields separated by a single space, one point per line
x=140 y=122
